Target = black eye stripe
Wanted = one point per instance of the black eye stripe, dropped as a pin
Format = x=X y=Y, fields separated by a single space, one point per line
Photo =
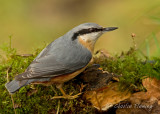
x=95 y=29
x=85 y=31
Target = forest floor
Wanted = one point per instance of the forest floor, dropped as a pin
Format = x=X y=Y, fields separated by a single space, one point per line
x=119 y=84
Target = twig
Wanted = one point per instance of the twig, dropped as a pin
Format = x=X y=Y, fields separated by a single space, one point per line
x=66 y=97
x=11 y=94
x=25 y=55
x=13 y=104
x=58 y=107
x=7 y=75
x=53 y=88
x=134 y=42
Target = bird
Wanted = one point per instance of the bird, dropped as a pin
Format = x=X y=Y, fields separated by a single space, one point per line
x=62 y=60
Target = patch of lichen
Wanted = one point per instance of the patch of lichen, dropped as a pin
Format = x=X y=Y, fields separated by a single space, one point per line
x=37 y=98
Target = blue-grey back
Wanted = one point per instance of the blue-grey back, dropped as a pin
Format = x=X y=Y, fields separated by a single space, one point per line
x=62 y=56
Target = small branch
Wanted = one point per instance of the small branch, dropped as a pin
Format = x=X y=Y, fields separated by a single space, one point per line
x=54 y=90
x=13 y=104
x=134 y=42
x=58 y=107
x=7 y=75
x=25 y=55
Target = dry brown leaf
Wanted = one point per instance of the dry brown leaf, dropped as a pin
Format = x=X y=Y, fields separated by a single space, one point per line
x=104 y=98
x=151 y=98
x=136 y=98
x=153 y=91
x=153 y=87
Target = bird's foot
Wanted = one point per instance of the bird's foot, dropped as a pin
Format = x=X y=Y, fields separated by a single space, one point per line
x=67 y=96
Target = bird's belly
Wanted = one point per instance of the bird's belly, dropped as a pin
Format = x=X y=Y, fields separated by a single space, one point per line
x=61 y=79
x=65 y=78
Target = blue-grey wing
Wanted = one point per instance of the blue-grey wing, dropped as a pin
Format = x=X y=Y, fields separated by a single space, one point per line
x=58 y=58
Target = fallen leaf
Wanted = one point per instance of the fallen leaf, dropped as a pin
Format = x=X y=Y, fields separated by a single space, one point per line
x=150 y=99
x=106 y=97
x=153 y=87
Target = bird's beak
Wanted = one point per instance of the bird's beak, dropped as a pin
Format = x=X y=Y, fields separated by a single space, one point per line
x=109 y=29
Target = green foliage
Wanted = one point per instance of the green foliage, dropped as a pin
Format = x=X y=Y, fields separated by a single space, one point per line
x=150 y=42
x=132 y=69
x=37 y=98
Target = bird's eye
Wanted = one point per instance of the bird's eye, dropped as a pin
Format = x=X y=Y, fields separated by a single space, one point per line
x=90 y=29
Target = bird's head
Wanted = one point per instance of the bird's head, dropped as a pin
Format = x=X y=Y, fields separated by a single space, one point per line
x=88 y=33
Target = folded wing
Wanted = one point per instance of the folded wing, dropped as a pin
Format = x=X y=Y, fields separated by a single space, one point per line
x=57 y=59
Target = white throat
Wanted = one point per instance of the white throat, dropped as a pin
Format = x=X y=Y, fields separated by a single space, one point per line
x=89 y=40
x=91 y=36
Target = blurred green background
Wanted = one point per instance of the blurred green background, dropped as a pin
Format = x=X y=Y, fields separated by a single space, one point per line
x=32 y=23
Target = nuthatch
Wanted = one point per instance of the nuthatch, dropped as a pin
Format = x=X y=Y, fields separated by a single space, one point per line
x=61 y=60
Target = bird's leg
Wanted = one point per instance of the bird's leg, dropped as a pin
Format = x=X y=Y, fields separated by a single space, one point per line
x=62 y=91
x=65 y=96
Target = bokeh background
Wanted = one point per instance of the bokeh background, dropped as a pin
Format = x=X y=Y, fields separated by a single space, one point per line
x=33 y=23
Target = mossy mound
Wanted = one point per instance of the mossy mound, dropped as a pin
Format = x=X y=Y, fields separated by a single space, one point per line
x=37 y=98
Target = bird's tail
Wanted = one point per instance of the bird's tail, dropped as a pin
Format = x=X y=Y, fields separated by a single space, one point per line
x=19 y=82
x=15 y=85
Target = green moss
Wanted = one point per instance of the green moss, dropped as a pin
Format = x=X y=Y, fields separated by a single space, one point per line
x=38 y=102
x=132 y=69
x=127 y=64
